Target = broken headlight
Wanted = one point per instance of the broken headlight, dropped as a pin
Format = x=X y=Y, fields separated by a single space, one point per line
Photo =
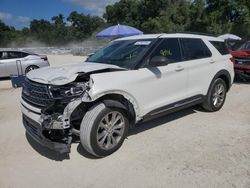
x=69 y=90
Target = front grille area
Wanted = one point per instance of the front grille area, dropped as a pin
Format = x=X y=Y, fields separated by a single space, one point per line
x=242 y=61
x=36 y=94
x=31 y=126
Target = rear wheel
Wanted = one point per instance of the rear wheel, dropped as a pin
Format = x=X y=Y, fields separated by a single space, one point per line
x=216 y=96
x=103 y=130
x=30 y=68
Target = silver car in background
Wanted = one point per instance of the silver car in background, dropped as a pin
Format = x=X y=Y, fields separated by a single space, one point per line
x=15 y=62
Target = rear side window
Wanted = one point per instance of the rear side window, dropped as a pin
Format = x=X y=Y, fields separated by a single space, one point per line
x=194 y=49
x=23 y=54
x=14 y=55
x=221 y=47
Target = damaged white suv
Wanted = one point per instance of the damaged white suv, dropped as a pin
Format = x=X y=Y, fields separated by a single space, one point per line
x=133 y=79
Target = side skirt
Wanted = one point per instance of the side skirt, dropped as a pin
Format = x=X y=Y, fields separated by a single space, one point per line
x=174 y=107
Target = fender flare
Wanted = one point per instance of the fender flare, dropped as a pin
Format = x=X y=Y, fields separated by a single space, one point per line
x=114 y=103
x=126 y=95
x=222 y=73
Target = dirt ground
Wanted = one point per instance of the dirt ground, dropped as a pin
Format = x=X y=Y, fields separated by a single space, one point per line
x=190 y=148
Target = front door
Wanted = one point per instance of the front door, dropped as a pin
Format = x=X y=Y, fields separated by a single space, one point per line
x=13 y=63
x=162 y=83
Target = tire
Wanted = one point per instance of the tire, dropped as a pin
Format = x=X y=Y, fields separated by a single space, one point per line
x=96 y=131
x=217 y=92
x=30 y=68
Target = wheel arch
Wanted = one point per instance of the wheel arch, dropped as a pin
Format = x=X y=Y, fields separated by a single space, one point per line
x=116 y=100
x=28 y=66
x=224 y=75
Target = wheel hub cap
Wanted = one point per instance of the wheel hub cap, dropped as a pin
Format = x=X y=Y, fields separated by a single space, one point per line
x=219 y=95
x=110 y=130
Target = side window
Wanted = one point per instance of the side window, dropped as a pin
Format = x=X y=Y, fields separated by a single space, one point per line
x=23 y=54
x=221 y=47
x=194 y=49
x=3 y=55
x=168 y=48
x=14 y=55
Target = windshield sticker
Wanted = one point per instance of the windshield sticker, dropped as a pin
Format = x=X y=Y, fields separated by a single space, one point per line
x=142 y=43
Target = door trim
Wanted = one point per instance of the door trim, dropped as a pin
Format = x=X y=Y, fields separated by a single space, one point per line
x=191 y=101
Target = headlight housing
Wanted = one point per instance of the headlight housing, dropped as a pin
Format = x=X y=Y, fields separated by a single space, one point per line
x=67 y=91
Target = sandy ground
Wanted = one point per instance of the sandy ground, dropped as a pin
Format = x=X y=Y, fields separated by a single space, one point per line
x=190 y=148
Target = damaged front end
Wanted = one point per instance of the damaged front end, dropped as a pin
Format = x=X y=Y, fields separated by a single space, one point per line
x=47 y=112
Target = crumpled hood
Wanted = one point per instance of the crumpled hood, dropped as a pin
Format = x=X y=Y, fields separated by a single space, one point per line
x=65 y=74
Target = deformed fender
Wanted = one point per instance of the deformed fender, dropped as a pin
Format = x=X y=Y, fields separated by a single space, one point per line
x=69 y=110
x=113 y=103
x=126 y=96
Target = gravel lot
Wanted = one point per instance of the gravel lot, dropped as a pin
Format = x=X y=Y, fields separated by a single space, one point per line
x=191 y=148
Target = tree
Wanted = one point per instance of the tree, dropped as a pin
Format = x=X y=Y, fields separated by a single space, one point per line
x=83 y=25
x=198 y=17
x=41 y=30
x=59 y=30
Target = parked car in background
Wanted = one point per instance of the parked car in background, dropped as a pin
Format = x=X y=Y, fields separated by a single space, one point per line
x=14 y=61
x=241 y=59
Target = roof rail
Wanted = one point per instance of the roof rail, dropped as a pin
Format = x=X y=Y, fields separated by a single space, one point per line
x=197 y=33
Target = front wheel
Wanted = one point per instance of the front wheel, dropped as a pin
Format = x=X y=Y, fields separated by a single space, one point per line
x=103 y=130
x=216 y=96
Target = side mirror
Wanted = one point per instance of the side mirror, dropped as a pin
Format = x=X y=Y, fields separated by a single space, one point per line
x=89 y=55
x=158 y=61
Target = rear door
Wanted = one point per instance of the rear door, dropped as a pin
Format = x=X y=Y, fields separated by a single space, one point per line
x=13 y=62
x=199 y=63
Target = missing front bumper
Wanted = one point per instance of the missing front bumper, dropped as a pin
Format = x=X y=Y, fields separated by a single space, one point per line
x=35 y=131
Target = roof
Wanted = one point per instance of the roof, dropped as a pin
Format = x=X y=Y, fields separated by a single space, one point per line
x=170 y=35
x=14 y=50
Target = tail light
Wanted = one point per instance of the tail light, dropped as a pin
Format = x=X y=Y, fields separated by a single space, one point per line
x=232 y=59
x=45 y=58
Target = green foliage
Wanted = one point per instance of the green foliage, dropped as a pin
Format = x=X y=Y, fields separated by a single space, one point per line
x=58 y=31
x=150 y=16
x=211 y=16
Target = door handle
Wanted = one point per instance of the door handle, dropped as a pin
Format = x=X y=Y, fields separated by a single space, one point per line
x=212 y=61
x=179 y=68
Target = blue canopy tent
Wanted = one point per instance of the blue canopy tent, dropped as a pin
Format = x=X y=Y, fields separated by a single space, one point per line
x=119 y=31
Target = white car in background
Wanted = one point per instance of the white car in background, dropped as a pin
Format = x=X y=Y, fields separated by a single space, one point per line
x=14 y=62
x=133 y=79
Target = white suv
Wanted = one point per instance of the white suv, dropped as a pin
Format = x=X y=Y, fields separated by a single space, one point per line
x=131 y=80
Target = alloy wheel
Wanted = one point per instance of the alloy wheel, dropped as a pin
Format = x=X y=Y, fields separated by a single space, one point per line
x=218 y=95
x=110 y=130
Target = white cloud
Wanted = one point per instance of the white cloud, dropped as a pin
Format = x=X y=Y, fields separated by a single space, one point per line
x=96 y=7
x=23 y=19
x=17 y=21
x=5 y=16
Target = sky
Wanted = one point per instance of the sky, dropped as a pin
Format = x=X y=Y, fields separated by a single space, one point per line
x=19 y=13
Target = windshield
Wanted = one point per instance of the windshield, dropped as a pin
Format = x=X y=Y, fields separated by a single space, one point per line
x=124 y=53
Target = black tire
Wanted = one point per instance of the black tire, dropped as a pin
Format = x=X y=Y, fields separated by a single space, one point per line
x=209 y=103
x=30 y=68
x=91 y=125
